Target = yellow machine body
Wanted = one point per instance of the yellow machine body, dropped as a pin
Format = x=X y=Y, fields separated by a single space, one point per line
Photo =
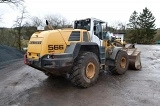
x=51 y=41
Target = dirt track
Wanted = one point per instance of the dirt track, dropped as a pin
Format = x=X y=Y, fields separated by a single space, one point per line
x=21 y=85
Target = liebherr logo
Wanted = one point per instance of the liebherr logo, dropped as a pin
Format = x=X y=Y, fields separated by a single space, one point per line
x=35 y=42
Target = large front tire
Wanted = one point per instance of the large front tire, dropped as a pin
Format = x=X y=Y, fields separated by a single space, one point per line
x=121 y=63
x=85 y=71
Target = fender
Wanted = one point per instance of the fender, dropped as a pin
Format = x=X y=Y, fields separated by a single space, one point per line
x=115 y=50
x=76 y=48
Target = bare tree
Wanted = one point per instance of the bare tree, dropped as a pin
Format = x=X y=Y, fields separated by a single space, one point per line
x=19 y=26
x=53 y=20
x=28 y=30
x=7 y=37
x=36 y=21
x=57 y=21
x=15 y=2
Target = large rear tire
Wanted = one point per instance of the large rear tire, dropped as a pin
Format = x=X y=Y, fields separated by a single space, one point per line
x=121 y=63
x=85 y=70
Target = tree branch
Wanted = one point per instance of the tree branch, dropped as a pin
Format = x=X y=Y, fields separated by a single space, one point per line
x=15 y=2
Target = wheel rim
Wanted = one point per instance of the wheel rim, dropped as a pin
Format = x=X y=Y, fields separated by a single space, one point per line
x=90 y=70
x=123 y=62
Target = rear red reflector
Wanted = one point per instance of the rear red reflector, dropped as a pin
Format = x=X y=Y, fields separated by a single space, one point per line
x=52 y=56
x=25 y=59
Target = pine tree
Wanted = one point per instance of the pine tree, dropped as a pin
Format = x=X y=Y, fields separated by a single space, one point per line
x=133 y=27
x=146 y=22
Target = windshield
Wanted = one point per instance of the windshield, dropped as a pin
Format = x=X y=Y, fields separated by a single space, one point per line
x=82 y=24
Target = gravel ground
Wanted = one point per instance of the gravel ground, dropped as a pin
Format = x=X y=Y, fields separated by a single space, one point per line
x=21 y=85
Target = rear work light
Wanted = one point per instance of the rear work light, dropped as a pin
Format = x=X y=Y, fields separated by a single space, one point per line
x=51 y=56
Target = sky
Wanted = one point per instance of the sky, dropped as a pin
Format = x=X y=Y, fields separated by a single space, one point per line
x=111 y=11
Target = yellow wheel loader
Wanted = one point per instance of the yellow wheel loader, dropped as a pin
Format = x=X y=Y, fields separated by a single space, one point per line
x=81 y=52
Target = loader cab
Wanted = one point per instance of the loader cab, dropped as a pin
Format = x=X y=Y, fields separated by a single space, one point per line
x=92 y=25
x=83 y=24
x=98 y=30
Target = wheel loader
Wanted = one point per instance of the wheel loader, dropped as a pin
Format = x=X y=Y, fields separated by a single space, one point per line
x=81 y=53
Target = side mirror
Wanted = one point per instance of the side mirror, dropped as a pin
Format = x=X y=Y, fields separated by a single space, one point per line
x=106 y=26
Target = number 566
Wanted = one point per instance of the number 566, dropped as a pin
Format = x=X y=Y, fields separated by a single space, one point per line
x=55 y=47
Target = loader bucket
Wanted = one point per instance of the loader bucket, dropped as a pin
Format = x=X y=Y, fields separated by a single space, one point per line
x=134 y=58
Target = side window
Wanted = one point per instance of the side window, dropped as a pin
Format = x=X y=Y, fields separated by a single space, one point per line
x=85 y=37
x=75 y=36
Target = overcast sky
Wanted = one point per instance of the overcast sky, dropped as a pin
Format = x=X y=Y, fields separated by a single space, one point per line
x=111 y=11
